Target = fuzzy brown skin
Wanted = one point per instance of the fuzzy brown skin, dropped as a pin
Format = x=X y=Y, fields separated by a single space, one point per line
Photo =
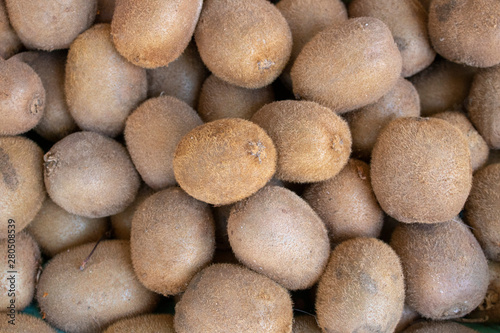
x=246 y=43
x=482 y=210
x=75 y=300
x=438 y=327
x=90 y=175
x=56 y=230
x=22 y=98
x=153 y=33
x=23 y=253
x=219 y=99
x=305 y=324
x=230 y=298
x=166 y=267
x=466 y=31
x=489 y=310
x=421 y=170
x=224 y=161
x=407 y=318
x=25 y=323
x=105 y=10
x=157 y=323
x=346 y=203
x=484 y=103
x=50 y=25
x=102 y=88
x=21 y=185
x=361 y=78
x=478 y=147
x=446 y=272
x=367 y=122
x=362 y=289
x=312 y=142
x=152 y=133
x=9 y=42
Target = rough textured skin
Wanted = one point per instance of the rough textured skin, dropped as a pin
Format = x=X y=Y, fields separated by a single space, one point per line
x=26 y=324
x=22 y=98
x=50 y=25
x=90 y=175
x=26 y=262
x=152 y=133
x=56 y=230
x=362 y=289
x=489 y=310
x=246 y=43
x=305 y=324
x=484 y=105
x=446 y=272
x=105 y=10
x=75 y=300
x=482 y=210
x=224 y=161
x=421 y=170
x=9 y=42
x=231 y=298
x=172 y=238
x=367 y=122
x=332 y=71
x=466 y=31
x=407 y=318
x=313 y=143
x=346 y=203
x=153 y=33
x=157 y=323
x=21 y=182
x=277 y=221
x=219 y=99
x=102 y=88
x=438 y=327
x=478 y=147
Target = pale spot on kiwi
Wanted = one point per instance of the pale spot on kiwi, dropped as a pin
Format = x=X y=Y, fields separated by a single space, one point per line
x=50 y=163
x=257 y=149
x=8 y=171
x=36 y=105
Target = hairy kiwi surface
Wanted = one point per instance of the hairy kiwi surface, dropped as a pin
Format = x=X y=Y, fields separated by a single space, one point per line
x=438 y=327
x=9 y=42
x=305 y=324
x=157 y=323
x=489 y=310
x=25 y=323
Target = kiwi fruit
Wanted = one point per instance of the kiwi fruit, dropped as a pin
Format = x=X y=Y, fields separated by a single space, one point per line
x=22 y=102
x=25 y=323
x=102 y=88
x=56 y=230
x=219 y=99
x=231 y=298
x=482 y=210
x=362 y=288
x=9 y=42
x=224 y=161
x=105 y=10
x=305 y=324
x=438 y=327
x=333 y=201
x=20 y=253
x=446 y=272
x=489 y=310
x=90 y=175
x=158 y=323
x=21 y=185
x=153 y=33
x=421 y=170
x=466 y=31
x=313 y=143
x=152 y=133
x=330 y=67
x=407 y=318
x=50 y=25
x=246 y=43
x=367 y=122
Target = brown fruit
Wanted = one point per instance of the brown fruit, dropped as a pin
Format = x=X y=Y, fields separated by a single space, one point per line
x=25 y=323
x=407 y=318
x=157 y=323
x=9 y=42
x=305 y=324
x=438 y=327
x=489 y=310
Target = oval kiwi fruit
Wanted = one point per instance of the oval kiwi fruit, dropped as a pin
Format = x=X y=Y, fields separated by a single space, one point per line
x=439 y=327
x=9 y=42
x=158 y=323
x=25 y=323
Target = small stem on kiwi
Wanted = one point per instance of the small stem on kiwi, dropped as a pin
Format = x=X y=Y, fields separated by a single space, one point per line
x=107 y=234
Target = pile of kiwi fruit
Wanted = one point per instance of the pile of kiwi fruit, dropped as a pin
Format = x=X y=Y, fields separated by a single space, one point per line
x=274 y=166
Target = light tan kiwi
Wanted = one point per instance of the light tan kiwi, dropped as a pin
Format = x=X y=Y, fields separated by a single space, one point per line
x=276 y=220
x=246 y=43
x=313 y=143
x=76 y=300
x=439 y=327
x=482 y=210
x=305 y=324
x=158 y=323
x=346 y=203
x=50 y=25
x=407 y=21
x=90 y=175
x=367 y=122
x=19 y=254
x=22 y=102
x=240 y=301
x=56 y=230
x=224 y=161
x=362 y=289
x=153 y=33
x=407 y=318
x=102 y=88
x=105 y=10
x=421 y=170
x=466 y=31
x=152 y=133
x=21 y=185
x=9 y=42
x=446 y=272
x=360 y=78
x=25 y=323
x=489 y=310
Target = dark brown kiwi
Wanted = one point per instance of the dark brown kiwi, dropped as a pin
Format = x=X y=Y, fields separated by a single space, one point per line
x=157 y=323
x=305 y=324
x=25 y=323
x=9 y=42
x=489 y=310
x=438 y=327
